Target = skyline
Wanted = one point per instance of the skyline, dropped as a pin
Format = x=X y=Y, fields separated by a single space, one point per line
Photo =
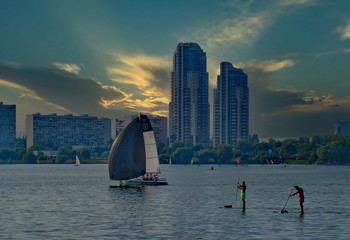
x=107 y=58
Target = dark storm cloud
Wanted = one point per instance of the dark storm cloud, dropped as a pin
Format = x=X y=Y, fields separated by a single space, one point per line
x=68 y=91
x=290 y=113
x=160 y=75
x=264 y=98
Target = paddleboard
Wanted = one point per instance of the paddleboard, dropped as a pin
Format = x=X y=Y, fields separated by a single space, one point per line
x=229 y=206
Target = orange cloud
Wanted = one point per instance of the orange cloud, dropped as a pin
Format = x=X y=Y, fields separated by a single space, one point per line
x=149 y=75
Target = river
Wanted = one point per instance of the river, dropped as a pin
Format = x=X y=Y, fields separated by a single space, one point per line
x=57 y=201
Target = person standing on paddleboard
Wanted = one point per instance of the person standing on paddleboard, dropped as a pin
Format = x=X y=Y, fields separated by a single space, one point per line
x=243 y=188
x=300 y=191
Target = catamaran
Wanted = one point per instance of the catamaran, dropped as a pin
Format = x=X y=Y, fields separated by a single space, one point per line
x=133 y=158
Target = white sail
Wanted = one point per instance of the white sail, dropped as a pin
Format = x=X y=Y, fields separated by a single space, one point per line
x=77 y=161
x=152 y=161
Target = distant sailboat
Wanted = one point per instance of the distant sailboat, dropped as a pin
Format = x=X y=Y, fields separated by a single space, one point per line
x=77 y=161
x=133 y=159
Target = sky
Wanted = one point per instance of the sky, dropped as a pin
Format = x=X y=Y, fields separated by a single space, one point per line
x=113 y=58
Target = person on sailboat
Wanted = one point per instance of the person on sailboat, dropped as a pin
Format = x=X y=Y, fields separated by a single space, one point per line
x=155 y=177
x=300 y=191
x=243 y=188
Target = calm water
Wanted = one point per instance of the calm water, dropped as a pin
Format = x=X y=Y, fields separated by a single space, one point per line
x=68 y=202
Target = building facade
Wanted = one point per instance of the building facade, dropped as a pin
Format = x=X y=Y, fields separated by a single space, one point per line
x=119 y=126
x=342 y=128
x=7 y=126
x=56 y=131
x=231 y=106
x=160 y=128
x=189 y=107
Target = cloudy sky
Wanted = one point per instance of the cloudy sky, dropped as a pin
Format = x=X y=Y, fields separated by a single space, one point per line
x=113 y=58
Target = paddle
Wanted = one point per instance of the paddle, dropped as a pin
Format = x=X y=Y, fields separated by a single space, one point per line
x=283 y=209
x=230 y=206
x=237 y=191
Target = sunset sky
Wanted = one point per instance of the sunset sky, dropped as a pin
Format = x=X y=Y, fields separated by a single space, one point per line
x=112 y=58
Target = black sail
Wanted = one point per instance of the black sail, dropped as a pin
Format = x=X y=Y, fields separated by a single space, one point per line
x=145 y=123
x=127 y=154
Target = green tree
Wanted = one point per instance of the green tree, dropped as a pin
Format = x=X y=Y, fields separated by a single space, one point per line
x=317 y=140
x=180 y=144
x=85 y=153
x=40 y=155
x=306 y=150
x=243 y=147
x=335 y=151
x=207 y=155
x=63 y=154
x=8 y=155
x=164 y=158
x=29 y=157
x=224 y=153
x=313 y=158
x=288 y=149
x=182 y=155
x=165 y=150
x=274 y=143
x=20 y=153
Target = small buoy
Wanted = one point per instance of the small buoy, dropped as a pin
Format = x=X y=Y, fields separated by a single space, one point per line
x=228 y=206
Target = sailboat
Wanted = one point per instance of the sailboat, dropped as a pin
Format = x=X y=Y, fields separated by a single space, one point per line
x=77 y=161
x=133 y=158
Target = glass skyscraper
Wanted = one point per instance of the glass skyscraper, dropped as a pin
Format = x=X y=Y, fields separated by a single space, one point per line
x=231 y=105
x=7 y=126
x=189 y=107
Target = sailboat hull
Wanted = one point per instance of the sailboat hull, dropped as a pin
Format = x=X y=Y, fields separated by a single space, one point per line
x=136 y=182
x=139 y=182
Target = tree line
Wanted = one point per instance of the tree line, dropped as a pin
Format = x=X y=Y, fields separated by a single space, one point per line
x=36 y=154
x=303 y=150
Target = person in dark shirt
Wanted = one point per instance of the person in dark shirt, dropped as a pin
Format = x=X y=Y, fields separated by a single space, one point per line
x=300 y=191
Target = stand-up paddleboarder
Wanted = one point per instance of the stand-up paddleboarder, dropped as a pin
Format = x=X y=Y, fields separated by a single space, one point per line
x=243 y=188
x=300 y=191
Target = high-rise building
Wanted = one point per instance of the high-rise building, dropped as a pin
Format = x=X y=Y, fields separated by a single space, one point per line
x=189 y=107
x=7 y=126
x=56 y=131
x=231 y=105
x=342 y=128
